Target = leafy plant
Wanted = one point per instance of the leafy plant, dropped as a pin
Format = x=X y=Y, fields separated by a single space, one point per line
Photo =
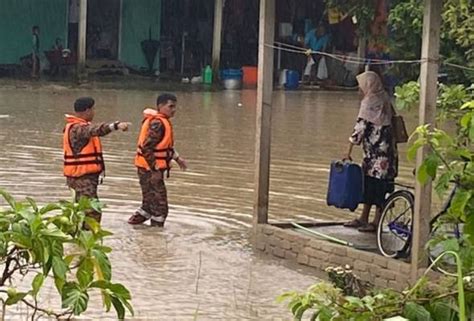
x=407 y=95
x=363 y=10
x=49 y=242
x=450 y=98
x=450 y=160
x=457 y=42
x=447 y=300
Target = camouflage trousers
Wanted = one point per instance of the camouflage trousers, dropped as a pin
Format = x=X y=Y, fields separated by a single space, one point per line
x=86 y=185
x=154 y=196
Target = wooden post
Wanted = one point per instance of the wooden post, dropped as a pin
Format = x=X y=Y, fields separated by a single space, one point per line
x=427 y=112
x=264 y=111
x=81 y=46
x=217 y=37
x=361 y=48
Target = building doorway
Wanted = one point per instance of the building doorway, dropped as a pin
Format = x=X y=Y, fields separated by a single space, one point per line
x=103 y=24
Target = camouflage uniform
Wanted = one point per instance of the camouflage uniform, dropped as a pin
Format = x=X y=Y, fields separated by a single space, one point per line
x=154 y=196
x=86 y=185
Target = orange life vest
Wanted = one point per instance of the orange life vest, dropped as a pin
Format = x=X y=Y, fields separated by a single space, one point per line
x=163 y=150
x=89 y=160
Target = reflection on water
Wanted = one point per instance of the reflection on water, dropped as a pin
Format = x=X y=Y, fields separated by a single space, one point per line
x=201 y=265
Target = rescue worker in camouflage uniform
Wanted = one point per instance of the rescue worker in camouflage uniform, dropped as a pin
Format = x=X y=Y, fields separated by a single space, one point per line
x=83 y=160
x=153 y=161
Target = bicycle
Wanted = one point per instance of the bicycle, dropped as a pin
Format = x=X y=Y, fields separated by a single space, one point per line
x=395 y=229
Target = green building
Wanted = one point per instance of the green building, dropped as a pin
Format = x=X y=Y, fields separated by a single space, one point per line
x=115 y=28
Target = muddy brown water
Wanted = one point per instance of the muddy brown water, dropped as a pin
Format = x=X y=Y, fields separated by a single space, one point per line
x=202 y=265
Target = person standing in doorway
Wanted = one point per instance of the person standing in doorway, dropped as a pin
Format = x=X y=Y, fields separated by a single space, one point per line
x=35 y=53
x=380 y=161
x=83 y=160
x=155 y=152
x=316 y=40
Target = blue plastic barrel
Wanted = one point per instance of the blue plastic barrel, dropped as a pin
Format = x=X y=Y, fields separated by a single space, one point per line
x=292 y=79
x=231 y=74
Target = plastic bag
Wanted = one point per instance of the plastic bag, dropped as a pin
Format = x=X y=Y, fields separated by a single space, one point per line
x=322 y=69
x=309 y=64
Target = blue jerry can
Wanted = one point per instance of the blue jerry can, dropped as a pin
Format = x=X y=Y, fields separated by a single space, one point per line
x=346 y=185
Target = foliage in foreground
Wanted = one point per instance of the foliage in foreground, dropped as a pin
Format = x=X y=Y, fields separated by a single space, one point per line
x=457 y=41
x=405 y=22
x=338 y=301
x=450 y=160
x=50 y=242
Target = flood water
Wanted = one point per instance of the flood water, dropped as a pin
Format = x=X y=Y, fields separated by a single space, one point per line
x=201 y=265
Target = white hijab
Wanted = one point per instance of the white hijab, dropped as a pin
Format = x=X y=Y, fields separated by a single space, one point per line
x=375 y=106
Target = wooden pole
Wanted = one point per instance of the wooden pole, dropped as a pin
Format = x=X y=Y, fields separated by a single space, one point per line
x=427 y=112
x=264 y=112
x=361 y=49
x=217 y=37
x=81 y=46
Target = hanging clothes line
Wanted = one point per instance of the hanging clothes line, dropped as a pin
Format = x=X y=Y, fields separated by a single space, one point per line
x=354 y=60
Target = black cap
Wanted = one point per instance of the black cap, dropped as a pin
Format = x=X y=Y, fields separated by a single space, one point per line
x=83 y=103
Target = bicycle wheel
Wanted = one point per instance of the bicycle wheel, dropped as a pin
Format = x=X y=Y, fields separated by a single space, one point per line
x=394 y=230
x=440 y=233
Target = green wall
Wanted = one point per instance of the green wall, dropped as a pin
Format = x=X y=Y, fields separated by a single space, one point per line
x=137 y=17
x=18 y=16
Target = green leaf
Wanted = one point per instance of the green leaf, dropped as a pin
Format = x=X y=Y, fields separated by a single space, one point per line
x=104 y=233
x=469 y=230
x=49 y=208
x=21 y=240
x=55 y=232
x=325 y=314
x=459 y=202
x=27 y=214
x=35 y=224
x=442 y=184
x=85 y=272
x=37 y=283
x=87 y=240
x=412 y=150
x=100 y=284
x=422 y=174
x=451 y=244
x=32 y=203
x=105 y=249
x=295 y=308
x=441 y=311
x=74 y=298
x=69 y=258
x=471 y=129
x=416 y=312
x=96 y=205
x=102 y=265
x=59 y=267
x=93 y=225
x=14 y=297
x=106 y=299
x=355 y=301
x=59 y=283
x=120 y=291
x=468 y=105
x=432 y=163
x=119 y=308
x=8 y=198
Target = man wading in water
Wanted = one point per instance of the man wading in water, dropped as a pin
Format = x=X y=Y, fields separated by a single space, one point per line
x=83 y=161
x=153 y=159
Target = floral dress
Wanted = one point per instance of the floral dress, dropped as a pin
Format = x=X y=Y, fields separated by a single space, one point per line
x=380 y=160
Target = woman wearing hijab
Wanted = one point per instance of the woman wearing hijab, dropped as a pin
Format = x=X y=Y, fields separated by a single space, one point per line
x=380 y=157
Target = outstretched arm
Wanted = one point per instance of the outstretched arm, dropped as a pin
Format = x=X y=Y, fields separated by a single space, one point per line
x=81 y=134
